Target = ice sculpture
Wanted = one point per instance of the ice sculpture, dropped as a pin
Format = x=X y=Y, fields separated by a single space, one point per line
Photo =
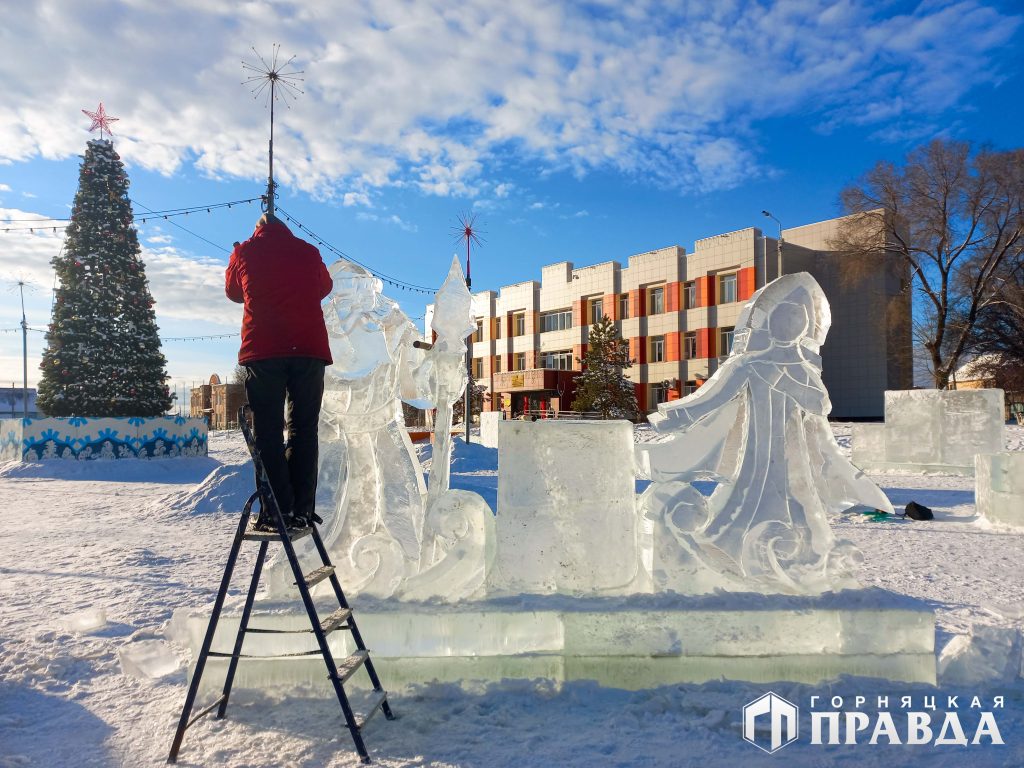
x=765 y=526
x=370 y=489
x=451 y=323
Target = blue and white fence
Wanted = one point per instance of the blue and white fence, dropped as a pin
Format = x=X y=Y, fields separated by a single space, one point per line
x=83 y=438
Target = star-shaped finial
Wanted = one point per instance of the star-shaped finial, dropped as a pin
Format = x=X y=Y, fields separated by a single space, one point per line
x=101 y=120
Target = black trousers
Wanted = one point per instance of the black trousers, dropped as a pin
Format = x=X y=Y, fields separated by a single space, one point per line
x=285 y=394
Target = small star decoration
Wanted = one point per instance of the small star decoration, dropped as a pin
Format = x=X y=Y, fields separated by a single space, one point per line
x=101 y=120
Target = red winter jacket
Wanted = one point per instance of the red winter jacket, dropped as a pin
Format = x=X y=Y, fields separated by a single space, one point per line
x=280 y=279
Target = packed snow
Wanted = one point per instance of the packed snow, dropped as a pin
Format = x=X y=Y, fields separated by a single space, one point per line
x=95 y=557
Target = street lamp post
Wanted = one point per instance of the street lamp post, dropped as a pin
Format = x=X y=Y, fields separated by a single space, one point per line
x=779 y=272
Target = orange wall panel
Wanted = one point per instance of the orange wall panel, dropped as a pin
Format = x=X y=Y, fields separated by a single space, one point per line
x=673 y=299
x=745 y=283
x=610 y=306
x=705 y=342
x=673 y=350
x=637 y=303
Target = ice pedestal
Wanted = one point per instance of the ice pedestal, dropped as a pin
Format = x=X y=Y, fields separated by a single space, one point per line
x=932 y=431
x=999 y=487
x=635 y=642
x=566 y=518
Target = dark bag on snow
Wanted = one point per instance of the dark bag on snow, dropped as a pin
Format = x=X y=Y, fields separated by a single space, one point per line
x=917 y=511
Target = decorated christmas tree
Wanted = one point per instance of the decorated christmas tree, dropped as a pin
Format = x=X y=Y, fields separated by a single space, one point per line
x=103 y=354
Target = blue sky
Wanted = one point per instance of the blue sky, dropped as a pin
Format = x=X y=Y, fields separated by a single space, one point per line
x=576 y=131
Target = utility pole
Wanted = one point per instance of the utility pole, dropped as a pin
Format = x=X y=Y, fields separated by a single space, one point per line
x=779 y=274
x=24 y=352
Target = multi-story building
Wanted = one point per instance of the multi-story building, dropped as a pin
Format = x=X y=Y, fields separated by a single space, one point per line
x=218 y=403
x=678 y=311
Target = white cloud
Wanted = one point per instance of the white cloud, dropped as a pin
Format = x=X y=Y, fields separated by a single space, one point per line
x=427 y=94
x=392 y=219
x=29 y=195
x=4 y=187
x=159 y=239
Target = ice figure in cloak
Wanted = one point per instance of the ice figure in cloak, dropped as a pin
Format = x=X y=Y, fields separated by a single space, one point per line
x=759 y=428
x=370 y=488
x=460 y=521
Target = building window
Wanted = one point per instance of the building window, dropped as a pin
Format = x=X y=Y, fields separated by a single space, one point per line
x=727 y=288
x=689 y=388
x=657 y=349
x=556 y=321
x=497 y=363
x=519 y=324
x=497 y=327
x=519 y=361
x=725 y=341
x=659 y=393
x=561 y=361
x=690 y=345
x=478 y=368
x=624 y=306
x=689 y=295
x=656 y=300
x=596 y=310
x=478 y=334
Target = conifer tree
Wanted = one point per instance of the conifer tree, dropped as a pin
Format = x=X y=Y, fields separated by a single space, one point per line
x=103 y=354
x=601 y=386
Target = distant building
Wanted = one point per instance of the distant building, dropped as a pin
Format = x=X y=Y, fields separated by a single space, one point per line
x=12 y=403
x=218 y=403
x=678 y=312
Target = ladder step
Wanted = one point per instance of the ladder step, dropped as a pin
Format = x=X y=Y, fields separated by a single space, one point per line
x=331 y=623
x=378 y=698
x=351 y=665
x=315 y=577
x=335 y=620
x=206 y=711
x=299 y=654
x=294 y=534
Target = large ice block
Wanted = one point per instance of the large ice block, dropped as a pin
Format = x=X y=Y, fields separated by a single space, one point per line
x=627 y=642
x=999 y=487
x=489 y=421
x=929 y=430
x=566 y=517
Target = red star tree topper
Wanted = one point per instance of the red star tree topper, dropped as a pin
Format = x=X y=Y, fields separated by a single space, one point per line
x=101 y=120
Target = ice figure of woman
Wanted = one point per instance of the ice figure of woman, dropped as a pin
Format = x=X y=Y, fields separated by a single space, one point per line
x=759 y=426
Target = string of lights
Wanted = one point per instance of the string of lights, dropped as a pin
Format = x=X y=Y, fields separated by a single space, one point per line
x=162 y=338
x=405 y=286
x=43 y=224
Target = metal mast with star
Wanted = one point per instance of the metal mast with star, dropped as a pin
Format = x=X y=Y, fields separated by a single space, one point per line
x=273 y=80
x=468 y=232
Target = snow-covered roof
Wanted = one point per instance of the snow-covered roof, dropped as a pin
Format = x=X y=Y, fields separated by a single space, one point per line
x=974 y=369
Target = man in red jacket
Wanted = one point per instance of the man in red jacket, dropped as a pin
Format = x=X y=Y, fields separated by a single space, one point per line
x=281 y=280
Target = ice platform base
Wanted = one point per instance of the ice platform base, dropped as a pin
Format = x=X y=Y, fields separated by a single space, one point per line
x=623 y=642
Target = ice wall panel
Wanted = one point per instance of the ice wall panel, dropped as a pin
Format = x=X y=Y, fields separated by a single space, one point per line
x=999 y=487
x=566 y=517
x=489 y=421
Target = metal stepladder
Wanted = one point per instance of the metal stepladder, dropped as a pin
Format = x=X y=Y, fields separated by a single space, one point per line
x=341 y=619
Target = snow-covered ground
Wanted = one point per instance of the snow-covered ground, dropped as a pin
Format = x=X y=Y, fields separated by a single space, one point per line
x=119 y=545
